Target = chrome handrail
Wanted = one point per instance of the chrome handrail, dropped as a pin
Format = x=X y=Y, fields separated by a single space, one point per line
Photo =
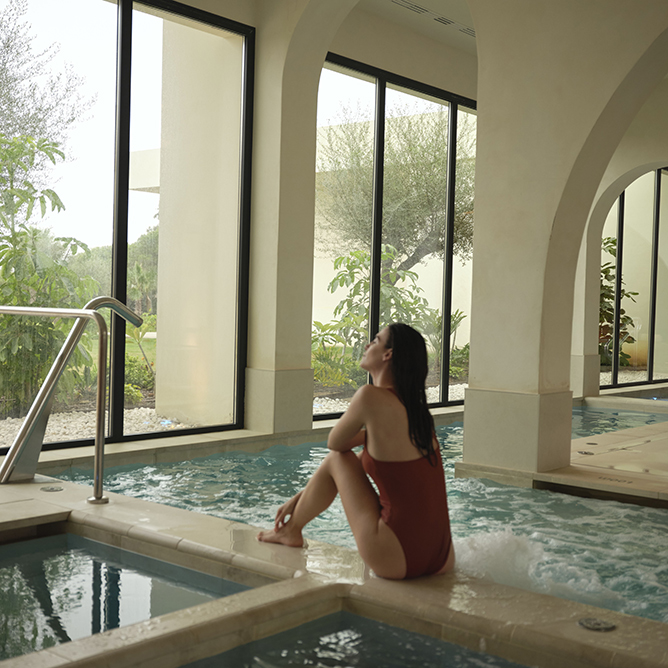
x=20 y=462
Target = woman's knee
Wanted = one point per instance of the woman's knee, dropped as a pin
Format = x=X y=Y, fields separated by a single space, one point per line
x=341 y=460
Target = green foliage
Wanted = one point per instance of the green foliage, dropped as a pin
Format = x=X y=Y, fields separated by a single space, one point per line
x=96 y=263
x=459 y=363
x=336 y=347
x=37 y=108
x=132 y=396
x=137 y=334
x=18 y=195
x=414 y=184
x=33 y=272
x=606 y=317
x=35 y=99
x=334 y=365
x=138 y=374
x=143 y=271
x=400 y=297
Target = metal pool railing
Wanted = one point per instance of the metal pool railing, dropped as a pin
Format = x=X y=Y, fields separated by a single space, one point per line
x=21 y=460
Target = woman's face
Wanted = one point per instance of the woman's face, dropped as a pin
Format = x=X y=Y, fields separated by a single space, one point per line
x=376 y=353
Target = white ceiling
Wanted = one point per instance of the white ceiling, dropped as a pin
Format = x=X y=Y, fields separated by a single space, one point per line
x=447 y=21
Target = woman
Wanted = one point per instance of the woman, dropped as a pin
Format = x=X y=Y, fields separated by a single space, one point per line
x=405 y=532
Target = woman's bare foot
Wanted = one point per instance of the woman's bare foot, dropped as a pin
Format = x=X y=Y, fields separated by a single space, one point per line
x=283 y=536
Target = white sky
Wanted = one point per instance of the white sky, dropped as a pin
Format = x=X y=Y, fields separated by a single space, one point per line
x=86 y=33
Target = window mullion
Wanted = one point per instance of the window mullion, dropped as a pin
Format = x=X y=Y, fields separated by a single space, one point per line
x=377 y=222
x=618 y=290
x=654 y=276
x=120 y=232
x=448 y=252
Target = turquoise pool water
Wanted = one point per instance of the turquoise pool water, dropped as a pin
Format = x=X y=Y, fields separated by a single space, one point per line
x=62 y=588
x=605 y=553
x=344 y=639
x=589 y=421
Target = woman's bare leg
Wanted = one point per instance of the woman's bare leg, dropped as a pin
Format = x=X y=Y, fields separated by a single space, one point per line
x=342 y=472
x=314 y=499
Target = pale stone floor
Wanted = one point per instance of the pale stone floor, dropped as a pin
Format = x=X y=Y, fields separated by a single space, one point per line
x=296 y=585
x=630 y=462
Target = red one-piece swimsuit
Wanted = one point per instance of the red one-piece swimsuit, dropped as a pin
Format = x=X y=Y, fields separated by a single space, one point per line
x=414 y=505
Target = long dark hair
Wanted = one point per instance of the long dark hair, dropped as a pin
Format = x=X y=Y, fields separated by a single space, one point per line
x=409 y=368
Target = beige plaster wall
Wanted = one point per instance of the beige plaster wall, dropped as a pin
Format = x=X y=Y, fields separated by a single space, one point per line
x=292 y=41
x=199 y=205
x=545 y=136
x=372 y=40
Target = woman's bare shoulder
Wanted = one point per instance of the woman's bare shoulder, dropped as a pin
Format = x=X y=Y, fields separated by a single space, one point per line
x=370 y=394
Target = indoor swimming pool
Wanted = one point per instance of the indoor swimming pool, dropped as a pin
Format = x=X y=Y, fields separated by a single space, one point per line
x=64 y=587
x=344 y=639
x=605 y=553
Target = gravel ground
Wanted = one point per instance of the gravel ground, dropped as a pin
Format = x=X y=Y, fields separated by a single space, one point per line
x=78 y=425
x=323 y=405
x=624 y=376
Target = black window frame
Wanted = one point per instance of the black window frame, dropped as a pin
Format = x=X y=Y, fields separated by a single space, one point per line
x=382 y=79
x=119 y=268
x=619 y=276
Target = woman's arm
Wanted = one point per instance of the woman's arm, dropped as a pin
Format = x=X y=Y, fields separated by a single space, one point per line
x=348 y=432
x=284 y=513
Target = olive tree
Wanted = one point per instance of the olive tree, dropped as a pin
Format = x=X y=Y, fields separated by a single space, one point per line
x=414 y=184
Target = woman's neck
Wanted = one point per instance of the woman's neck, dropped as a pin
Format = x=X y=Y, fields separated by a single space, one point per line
x=383 y=378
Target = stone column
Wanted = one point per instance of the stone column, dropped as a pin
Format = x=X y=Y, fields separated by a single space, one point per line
x=545 y=136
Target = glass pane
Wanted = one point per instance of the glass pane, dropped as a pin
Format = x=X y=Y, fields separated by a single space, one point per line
x=462 y=268
x=344 y=188
x=661 y=326
x=606 y=318
x=183 y=223
x=636 y=272
x=57 y=90
x=414 y=207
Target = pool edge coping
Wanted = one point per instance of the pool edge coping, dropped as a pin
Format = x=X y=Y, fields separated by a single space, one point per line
x=516 y=624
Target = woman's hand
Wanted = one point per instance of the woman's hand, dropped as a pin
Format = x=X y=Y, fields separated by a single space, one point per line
x=285 y=511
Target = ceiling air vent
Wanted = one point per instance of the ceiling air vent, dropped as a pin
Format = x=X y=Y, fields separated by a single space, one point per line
x=443 y=20
x=412 y=6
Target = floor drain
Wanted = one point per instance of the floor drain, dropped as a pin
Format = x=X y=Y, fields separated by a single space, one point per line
x=584 y=452
x=52 y=488
x=593 y=624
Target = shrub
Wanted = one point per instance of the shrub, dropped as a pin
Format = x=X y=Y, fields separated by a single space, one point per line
x=132 y=395
x=137 y=373
x=459 y=363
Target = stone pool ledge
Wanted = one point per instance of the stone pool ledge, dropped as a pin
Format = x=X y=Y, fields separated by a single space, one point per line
x=295 y=586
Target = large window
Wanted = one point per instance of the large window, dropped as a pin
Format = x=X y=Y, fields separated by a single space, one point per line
x=138 y=131
x=633 y=330
x=394 y=226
